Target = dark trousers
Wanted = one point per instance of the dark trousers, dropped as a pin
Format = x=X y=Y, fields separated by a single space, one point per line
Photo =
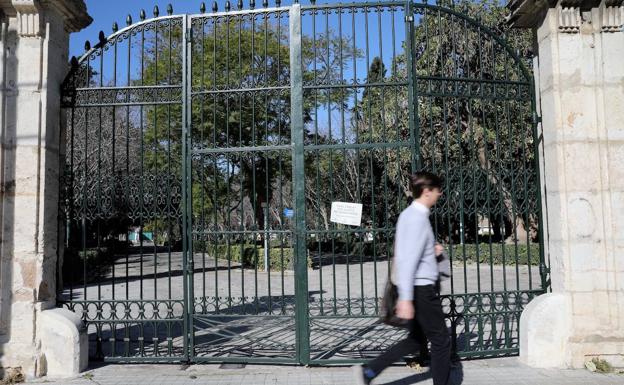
x=428 y=325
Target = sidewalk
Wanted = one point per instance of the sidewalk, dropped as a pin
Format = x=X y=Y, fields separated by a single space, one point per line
x=505 y=371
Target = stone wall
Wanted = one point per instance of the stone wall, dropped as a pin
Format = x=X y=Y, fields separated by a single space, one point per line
x=34 y=48
x=580 y=81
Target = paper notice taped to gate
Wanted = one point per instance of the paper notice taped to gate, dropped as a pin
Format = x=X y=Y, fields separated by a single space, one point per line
x=346 y=213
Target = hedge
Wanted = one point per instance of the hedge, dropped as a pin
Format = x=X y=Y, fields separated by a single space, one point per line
x=251 y=255
x=495 y=254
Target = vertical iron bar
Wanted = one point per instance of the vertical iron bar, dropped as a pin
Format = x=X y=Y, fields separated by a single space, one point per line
x=169 y=171
x=113 y=178
x=267 y=199
x=128 y=82
x=156 y=169
x=141 y=192
x=301 y=263
x=280 y=162
x=215 y=167
x=543 y=268
x=84 y=192
x=99 y=213
x=205 y=238
x=412 y=99
x=187 y=258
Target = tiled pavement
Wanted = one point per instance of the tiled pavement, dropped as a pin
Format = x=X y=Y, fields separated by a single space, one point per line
x=505 y=371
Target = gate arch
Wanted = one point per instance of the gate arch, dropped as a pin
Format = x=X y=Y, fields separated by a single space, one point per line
x=203 y=153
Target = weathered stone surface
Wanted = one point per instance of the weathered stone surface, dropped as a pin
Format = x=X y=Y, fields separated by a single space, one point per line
x=64 y=342
x=581 y=87
x=33 y=31
x=545 y=331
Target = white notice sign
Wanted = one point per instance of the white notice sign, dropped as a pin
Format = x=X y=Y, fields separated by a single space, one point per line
x=346 y=213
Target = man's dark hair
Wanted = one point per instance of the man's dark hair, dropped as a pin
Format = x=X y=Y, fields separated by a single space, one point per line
x=424 y=180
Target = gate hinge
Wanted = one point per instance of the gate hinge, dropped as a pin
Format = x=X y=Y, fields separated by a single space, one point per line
x=409 y=18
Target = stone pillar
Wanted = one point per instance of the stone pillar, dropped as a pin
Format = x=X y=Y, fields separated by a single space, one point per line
x=580 y=81
x=34 y=48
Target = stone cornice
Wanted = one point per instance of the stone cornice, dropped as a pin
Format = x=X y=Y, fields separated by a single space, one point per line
x=612 y=18
x=74 y=13
x=528 y=13
x=28 y=17
x=29 y=12
x=531 y=13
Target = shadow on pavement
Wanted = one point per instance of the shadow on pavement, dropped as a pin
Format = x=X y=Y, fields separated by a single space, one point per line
x=456 y=377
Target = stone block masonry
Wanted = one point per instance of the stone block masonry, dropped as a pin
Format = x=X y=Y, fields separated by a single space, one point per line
x=34 y=52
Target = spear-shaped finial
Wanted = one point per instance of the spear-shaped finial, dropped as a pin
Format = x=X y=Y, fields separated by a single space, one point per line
x=101 y=39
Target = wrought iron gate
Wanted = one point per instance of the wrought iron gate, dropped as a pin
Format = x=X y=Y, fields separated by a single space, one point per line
x=203 y=153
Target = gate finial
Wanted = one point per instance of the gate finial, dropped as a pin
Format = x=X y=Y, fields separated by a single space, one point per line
x=156 y=11
x=278 y=3
x=202 y=7
x=252 y=4
x=240 y=4
x=101 y=39
x=169 y=9
x=115 y=27
x=128 y=20
x=227 y=6
x=265 y=3
x=142 y=15
x=215 y=6
x=87 y=45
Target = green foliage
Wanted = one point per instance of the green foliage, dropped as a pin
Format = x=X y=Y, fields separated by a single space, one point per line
x=602 y=366
x=479 y=142
x=496 y=253
x=251 y=63
x=249 y=255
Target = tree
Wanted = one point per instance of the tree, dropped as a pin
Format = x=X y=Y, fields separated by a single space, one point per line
x=472 y=115
x=240 y=80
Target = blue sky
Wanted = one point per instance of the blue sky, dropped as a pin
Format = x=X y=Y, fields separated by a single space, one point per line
x=105 y=12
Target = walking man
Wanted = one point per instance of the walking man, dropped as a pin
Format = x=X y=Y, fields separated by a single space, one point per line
x=415 y=273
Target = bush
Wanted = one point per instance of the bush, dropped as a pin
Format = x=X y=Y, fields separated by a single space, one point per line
x=252 y=256
x=98 y=263
x=494 y=253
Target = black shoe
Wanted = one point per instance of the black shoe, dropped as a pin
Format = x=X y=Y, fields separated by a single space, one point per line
x=360 y=377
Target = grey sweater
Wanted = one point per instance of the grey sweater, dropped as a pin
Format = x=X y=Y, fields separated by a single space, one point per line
x=414 y=255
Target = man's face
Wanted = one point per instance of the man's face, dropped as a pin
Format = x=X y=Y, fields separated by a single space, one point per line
x=432 y=195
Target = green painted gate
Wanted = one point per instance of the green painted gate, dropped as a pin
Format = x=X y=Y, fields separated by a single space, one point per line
x=203 y=153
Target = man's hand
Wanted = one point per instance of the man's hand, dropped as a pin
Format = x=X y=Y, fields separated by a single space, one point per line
x=439 y=249
x=405 y=309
